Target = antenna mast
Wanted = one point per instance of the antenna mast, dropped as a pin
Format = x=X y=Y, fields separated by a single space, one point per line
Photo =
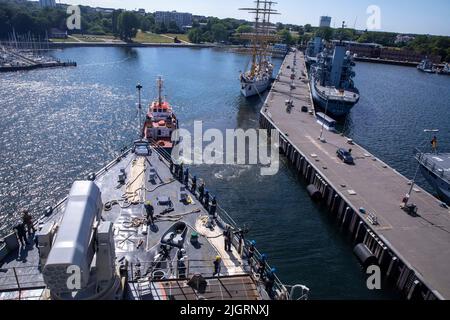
x=160 y=100
x=139 y=88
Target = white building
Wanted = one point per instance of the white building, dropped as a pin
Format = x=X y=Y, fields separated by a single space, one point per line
x=403 y=38
x=325 y=21
x=180 y=18
x=47 y=3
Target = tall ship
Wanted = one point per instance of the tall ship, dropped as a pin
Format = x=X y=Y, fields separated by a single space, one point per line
x=313 y=48
x=258 y=78
x=426 y=65
x=141 y=228
x=160 y=121
x=435 y=167
x=331 y=80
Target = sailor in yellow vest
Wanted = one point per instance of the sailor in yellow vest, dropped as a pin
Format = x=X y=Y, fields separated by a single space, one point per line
x=434 y=144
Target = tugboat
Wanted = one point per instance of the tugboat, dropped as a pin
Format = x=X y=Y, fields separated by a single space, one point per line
x=141 y=228
x=331 y=80
x=258 y=79
x=426 y=66
x=160 y=122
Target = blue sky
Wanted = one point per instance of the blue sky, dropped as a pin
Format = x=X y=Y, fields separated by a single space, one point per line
x=405 y=16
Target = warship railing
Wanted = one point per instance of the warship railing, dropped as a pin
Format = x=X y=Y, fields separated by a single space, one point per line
x=439 y=171
x=172 y=270
x=17 y=279
x=238 y=240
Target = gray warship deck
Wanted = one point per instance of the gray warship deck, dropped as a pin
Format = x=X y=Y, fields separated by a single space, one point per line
x=148 y=178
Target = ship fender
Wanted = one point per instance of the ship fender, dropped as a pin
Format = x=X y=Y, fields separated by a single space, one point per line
x=365 y=256
x=314 y=192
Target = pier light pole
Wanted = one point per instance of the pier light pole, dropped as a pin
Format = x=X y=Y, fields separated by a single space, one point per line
x=321 y=138
x=413 y=182
x=139 y=88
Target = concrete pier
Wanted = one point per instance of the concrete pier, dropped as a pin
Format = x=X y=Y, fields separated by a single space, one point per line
x=412 y=251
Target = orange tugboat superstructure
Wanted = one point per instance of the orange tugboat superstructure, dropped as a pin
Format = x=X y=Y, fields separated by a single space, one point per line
x=160 y=122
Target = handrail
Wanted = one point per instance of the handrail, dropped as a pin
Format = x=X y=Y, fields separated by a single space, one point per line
x=223 y=214
x=420 y=157
x=18 y=279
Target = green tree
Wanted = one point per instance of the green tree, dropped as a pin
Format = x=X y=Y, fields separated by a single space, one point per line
x=308 y=28
x=244 y=29
x=173 y=27
x=195 y=35
x=286 y=36
x=219 y=32
x=325 y=33
x=160 y=27
x=128 y=25
x=22 y=22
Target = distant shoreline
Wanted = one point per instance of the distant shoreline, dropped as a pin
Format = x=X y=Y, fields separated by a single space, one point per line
x=128 y=45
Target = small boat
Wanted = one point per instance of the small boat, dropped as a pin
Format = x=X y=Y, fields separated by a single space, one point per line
x=160 y=122
x=426 y=66
x=445 y=70
x=175 y=236
x=435 y=168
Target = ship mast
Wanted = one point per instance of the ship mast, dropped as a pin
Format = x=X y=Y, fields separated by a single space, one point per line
x=160 y=84
x=262 y=32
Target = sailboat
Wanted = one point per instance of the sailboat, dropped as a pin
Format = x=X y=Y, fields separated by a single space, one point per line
x=258 y=78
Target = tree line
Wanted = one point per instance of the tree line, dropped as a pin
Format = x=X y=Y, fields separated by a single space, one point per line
x=29 y=17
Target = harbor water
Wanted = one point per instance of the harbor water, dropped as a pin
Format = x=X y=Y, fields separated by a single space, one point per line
x=60 y=124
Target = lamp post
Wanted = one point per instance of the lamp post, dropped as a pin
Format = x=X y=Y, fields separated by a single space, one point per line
x=413 y=182
x=139 y=88
x=321 y=138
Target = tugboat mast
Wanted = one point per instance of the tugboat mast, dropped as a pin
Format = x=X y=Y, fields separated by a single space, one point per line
x=160 y=83
x=139 y=88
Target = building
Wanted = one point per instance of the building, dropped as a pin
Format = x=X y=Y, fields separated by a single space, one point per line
x=141 y=12
x=377 y=51
x=325 y=21
x=180 y=18
x=104 y=10
x=47 y=3
x=403 y=38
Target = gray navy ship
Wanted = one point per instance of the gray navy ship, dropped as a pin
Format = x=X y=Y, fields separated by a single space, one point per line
x=313 y=48
x=331 y=80
x=435 y=167
x=141 y=228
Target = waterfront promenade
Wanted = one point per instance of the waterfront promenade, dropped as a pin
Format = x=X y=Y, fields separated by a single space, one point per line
x=413 y=251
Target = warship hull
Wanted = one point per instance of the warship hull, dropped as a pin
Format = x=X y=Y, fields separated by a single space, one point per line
x=435 y=169
x=337 y=107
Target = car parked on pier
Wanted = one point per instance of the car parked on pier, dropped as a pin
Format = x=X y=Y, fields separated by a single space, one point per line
x=345 y=156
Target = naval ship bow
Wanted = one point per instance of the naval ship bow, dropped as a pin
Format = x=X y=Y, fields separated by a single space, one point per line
x=141 y=228
x=257 y=79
